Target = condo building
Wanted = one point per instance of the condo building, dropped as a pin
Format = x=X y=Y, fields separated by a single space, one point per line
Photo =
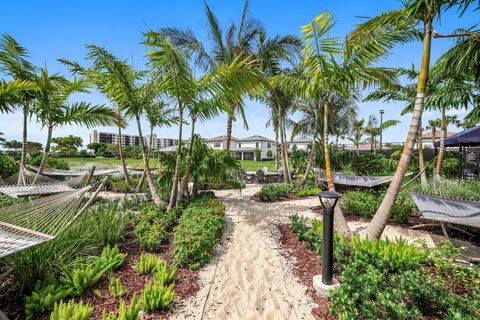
x=131 y=140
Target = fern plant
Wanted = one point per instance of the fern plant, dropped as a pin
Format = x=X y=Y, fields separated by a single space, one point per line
x=147 y=263
x=155 y=296
x=164 y=274
x=71 y=311
x=116 y=288
x=131 y=313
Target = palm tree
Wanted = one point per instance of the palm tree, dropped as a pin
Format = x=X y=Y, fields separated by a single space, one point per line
x=52 y=108
x=121 y=83
x=404 y=25
x=358 y=131
x=202 y=98
x=374 y=130
x=225 y=47
x=14 y=63
x=444 y=122
x=11 y=93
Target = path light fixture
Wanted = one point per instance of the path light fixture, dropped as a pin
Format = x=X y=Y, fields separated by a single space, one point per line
x=325 y=282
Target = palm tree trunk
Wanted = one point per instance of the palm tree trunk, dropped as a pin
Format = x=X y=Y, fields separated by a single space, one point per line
x=229 y=130
x=122 y=159
x=310 y=156
x=380 y=220
x=186 y=176
x=339 y=219
x=275 y=129
x=286 y=169
x=23 y=157
x=142 y=178
x=421 y=160
x=45 y=154
x=441 y=152
x=358 y=149
x=151 y=184
x=176 y=176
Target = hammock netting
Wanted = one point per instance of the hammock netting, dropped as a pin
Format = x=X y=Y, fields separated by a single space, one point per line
x=356 y=181
x=75 y=173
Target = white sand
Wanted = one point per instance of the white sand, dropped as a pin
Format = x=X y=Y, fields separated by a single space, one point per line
x=250 y=279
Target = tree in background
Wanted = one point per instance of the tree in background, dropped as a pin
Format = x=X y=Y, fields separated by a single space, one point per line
x=374 y=129
x=67 y=145
x=357 y=133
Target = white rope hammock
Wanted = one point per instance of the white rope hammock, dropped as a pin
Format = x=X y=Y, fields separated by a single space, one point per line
x=75 y=173
x=21 y=184
x=29 y=223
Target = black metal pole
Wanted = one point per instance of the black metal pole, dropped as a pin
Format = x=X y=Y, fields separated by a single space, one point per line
x=327 y=247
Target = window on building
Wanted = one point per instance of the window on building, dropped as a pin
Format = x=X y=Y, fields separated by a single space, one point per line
x=217 y=145
x=239 y=145
x=257 y=144
x=269 y=145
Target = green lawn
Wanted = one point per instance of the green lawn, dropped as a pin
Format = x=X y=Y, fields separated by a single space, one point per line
x=77 y=162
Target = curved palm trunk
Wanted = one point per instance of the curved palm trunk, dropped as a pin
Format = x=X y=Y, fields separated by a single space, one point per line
x=421 y=160
x=151 y=184
x=176 y=176
x=381 y=217
x=122 y=160
x=311 y=155
x=45 y=154
x=441 y=152
x=23 y=159
x=275 y=129
x=339 y=219
x=186 y=176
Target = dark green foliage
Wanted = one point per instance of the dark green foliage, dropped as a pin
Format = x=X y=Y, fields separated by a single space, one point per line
x=366 y=203
x=368 y=164
x=117 y=184
x=55 y=163
x=111 y=213
x=152 y=224
x=6 y=201
x=275 y=191
x=198 y=230
x=7 y=166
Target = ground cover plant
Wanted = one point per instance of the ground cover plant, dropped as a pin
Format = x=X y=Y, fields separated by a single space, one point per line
x=198 y=230
x=391 y=279
x=275 y=191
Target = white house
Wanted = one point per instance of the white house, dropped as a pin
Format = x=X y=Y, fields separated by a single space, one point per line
x=245 y=148
x=219 y=143
x=302 y=143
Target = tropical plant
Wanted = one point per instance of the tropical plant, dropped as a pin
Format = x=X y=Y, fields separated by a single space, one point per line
x=403 y=25
x=71 y=311
x=374 y=130
x=358 y=131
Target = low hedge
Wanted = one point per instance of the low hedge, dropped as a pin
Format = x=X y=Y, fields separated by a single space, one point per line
x=198 y=230
x=7 y=166
x=275 y=191
x=366 y=203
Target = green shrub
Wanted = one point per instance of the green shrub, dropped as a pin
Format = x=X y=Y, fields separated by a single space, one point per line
x=275 y=191
x=368 y=164
x=366 y=203
x=152 y=224
x=306 y=192
x=198 y=229
x=124 y=313
x=116 y=287
x=6 y=201
x=71 y=311
x=156 y=296
x=7 y=166
x=54 y=163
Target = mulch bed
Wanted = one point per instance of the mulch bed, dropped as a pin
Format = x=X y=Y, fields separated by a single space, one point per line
x=306 y=265
x=186 y=283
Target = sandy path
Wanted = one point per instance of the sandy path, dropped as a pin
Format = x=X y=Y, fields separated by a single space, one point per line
x=251 y=280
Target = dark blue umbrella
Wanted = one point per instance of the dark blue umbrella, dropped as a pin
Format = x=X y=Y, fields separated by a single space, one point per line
x=469 y=137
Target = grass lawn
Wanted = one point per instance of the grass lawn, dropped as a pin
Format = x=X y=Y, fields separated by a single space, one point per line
x=78 y=162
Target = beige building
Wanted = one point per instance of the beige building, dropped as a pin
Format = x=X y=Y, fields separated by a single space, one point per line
x=131 y=140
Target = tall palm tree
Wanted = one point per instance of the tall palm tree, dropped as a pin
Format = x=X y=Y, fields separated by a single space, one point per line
x=433 y=125
x=14 y=63
x=225 y=47
x=358 y=131
x=52 y=108
x=414 y=21
x=122 y=84
x=445 y=120
x=11 y=93
x=374 y=130
x=227 y=82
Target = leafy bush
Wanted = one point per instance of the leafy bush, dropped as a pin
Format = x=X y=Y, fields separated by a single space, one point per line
x=152 y=224
x=366 y=203
x=43 y=298
x=152 y=264
x=7 y=166
x=6 y=201
x=124 y=313
x=275 y=191
x=198 y=229
x=106 y=216
x=116 y=287
x=55 y=163
x=306 y=192
x=71 y=311
x=368 y=164
x=156 y=296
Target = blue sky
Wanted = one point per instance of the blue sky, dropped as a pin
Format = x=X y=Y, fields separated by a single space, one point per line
x=60 y=29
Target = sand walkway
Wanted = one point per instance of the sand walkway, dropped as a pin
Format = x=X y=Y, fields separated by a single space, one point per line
x=250 y=279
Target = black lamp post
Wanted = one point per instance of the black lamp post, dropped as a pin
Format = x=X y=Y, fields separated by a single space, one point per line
x=329 y=200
